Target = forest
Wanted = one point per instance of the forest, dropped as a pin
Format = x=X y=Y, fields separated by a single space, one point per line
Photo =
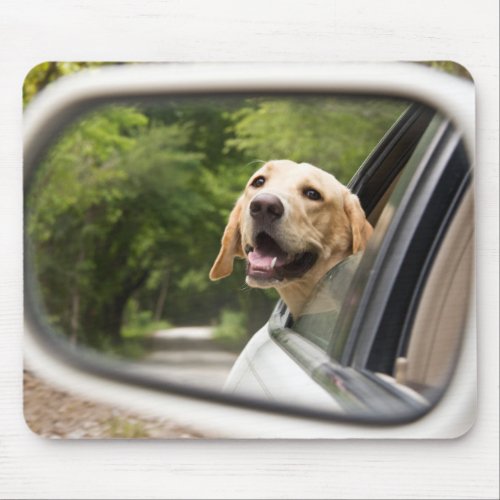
x=126 y=210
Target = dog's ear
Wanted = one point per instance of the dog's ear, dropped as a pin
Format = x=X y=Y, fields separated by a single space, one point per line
x=230 y=245
x=360 y=227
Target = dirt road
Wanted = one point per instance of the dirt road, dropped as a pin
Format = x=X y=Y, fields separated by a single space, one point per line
x=186 y=355
x=189 y=355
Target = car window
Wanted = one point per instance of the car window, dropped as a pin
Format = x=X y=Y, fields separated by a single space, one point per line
x=436 y=333
x=326 y=317
x=321 y=312
x=327 y=321
x=432 y=225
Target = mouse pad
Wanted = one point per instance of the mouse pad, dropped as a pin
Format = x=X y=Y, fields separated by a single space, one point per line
x=245 y=251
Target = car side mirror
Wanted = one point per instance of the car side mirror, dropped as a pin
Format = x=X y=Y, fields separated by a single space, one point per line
x=350 y=309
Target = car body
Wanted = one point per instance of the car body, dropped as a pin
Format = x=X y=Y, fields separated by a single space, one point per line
x=416 y=188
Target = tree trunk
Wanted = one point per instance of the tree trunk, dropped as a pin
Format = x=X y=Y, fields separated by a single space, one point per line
x=160 y=303
x=75 y=315
x=104 y=320
x=75 y=303
x=114 y=320
x=114 y=317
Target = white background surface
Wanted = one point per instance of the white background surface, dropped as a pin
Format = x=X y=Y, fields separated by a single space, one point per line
x=258 y=30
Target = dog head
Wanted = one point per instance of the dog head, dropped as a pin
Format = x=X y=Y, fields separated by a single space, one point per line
x=293 y=222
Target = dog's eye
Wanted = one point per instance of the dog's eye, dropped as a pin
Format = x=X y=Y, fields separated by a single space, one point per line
x=312 y=194
x=258 y=181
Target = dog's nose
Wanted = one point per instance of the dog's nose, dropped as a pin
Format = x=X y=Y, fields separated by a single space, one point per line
x=266 y=207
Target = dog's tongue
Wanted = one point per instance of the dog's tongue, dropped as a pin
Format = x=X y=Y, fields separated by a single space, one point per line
x=265 y=257
x=261 y=260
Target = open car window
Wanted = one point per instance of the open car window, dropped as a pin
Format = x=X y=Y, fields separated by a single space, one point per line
x=389 y=272
x=374 y=183
x=321 y=312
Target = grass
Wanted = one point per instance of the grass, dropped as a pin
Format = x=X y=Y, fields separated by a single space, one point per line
x=139 y=327
x=123 y=428
x=133 y=334
x=143 y=329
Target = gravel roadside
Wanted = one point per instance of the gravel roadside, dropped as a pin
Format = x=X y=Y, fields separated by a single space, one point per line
x=52 y=413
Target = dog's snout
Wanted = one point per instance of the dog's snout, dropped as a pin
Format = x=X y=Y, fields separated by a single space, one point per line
x=266 y=207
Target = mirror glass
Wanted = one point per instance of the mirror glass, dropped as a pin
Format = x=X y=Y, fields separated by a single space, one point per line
x=126 y=211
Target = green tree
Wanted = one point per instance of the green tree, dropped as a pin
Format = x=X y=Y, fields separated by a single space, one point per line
x=47 y=72
x=334 y=134
x=102 y=215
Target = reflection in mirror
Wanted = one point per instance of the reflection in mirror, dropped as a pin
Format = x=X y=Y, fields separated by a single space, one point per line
x=124 y=221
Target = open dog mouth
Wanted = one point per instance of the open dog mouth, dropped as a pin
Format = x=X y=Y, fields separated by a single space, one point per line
x=268 y=261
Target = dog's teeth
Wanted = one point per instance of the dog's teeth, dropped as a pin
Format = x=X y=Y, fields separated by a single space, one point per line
x=273 y=263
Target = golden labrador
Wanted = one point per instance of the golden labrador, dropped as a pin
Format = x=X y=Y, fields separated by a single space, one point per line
x=293 y=223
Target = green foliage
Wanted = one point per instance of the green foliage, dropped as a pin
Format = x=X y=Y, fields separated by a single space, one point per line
x=138 y=324
x=126 y=212
x=45 y=73
x=131 y=349
x=231 y=330
x=101 y=215
x=450 y=67
x=332 y=133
